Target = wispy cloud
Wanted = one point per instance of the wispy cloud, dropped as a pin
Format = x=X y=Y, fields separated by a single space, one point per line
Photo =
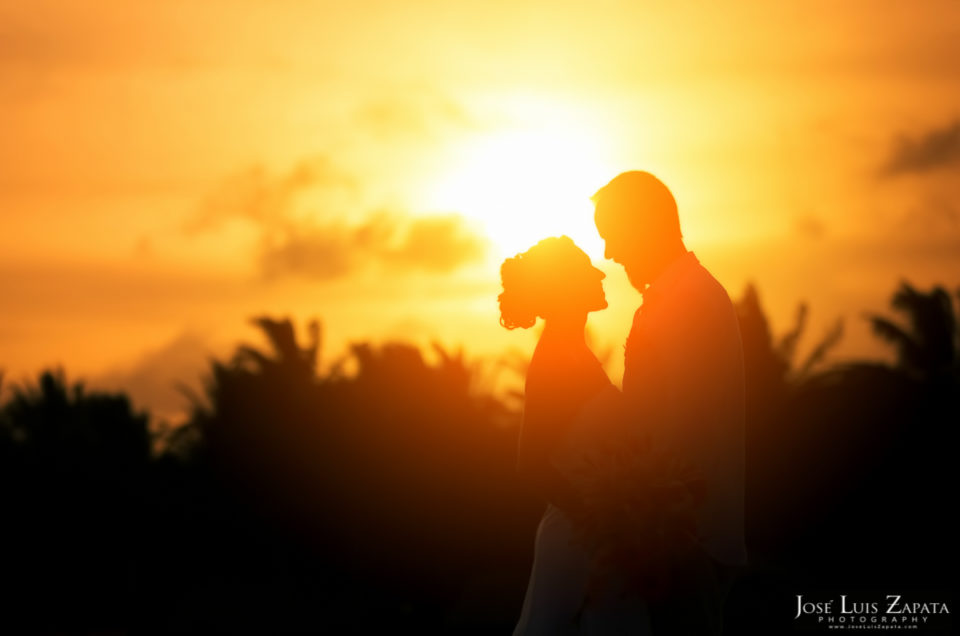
x=263 y=199
x=420 y=113
x=154 y=378
x=325 y=245
x=933 y=150
x=391 y=241
x=810 y=226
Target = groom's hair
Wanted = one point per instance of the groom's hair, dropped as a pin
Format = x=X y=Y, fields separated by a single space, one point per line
x=637 y=201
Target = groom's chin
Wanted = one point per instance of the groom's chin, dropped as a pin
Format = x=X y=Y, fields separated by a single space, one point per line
x=635 y=281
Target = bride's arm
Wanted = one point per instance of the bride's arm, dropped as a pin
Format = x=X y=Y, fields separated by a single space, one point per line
x=547 y=415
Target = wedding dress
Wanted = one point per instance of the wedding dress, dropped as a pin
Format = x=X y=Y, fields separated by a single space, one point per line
x=558 y=580
x=617 y=611
x=556 y=601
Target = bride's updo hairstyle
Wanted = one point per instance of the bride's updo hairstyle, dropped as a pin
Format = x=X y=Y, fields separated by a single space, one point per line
x=535 y=281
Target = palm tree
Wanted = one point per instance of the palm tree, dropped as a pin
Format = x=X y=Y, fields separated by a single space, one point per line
x=65 y=425
x=253 y=394
x=928 y=362
x=74 y=469
x=881 y=433
x=390 y=463
x=928 y=345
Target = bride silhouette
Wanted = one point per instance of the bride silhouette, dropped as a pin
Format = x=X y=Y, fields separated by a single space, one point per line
x=555 y=280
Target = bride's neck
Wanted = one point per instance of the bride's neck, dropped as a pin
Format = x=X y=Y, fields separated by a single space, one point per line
x=565 y=328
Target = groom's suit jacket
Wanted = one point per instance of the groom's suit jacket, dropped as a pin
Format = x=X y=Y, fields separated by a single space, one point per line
x=683 y=381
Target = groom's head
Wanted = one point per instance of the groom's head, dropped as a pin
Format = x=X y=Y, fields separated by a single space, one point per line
x=636 y=215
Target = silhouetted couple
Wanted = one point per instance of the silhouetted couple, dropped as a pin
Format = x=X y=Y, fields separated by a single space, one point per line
x=644 y=521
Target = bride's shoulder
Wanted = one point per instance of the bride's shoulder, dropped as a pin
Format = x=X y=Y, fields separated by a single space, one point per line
x=565 y=371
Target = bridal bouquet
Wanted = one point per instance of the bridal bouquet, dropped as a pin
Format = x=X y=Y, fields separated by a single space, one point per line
x=638 y=522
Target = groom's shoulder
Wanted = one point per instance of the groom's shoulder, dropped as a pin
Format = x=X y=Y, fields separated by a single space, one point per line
x=707 y=297
x=704 y=286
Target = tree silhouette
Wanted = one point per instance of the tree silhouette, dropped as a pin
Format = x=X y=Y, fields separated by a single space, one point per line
x=71 y=427
x=927 y=346
x=72 y=479
x=774 y=445
x=395 y=471
x=830 y=448
x=380 y=494
x=771 y=363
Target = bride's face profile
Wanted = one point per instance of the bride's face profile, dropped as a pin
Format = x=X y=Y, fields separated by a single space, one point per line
x=554 y=280
x=583 y=287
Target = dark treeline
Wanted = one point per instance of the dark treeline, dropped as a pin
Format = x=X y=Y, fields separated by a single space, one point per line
x=381 y=496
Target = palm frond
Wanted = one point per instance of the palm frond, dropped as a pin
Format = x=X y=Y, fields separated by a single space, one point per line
x=787 y=347
x=908 y=349
x=830 y=340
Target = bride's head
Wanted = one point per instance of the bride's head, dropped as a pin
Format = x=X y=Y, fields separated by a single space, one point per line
x=554 y=279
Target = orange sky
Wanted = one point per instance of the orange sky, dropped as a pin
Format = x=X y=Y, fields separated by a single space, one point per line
x=170 y=169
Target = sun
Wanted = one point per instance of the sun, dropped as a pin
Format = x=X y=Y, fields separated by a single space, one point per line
x=522 y=185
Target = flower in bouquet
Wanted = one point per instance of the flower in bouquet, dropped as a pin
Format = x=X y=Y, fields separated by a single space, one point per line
x=639 y=516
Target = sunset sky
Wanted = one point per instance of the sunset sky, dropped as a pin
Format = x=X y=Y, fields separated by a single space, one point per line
x=170 y=169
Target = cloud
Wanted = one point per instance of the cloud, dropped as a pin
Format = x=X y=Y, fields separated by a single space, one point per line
x=318 y=253
x=929 y=217
x=393 y=242
x=810 y=226
x=152 y=381
x=326 y=246
x=933 y=150
x=256 y=196
x=436 y=243
x=419 y=113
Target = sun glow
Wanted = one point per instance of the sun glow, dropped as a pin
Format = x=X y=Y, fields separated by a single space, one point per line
x=524 y=185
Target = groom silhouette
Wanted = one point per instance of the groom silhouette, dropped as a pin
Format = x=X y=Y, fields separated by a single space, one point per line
x=683 y=382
